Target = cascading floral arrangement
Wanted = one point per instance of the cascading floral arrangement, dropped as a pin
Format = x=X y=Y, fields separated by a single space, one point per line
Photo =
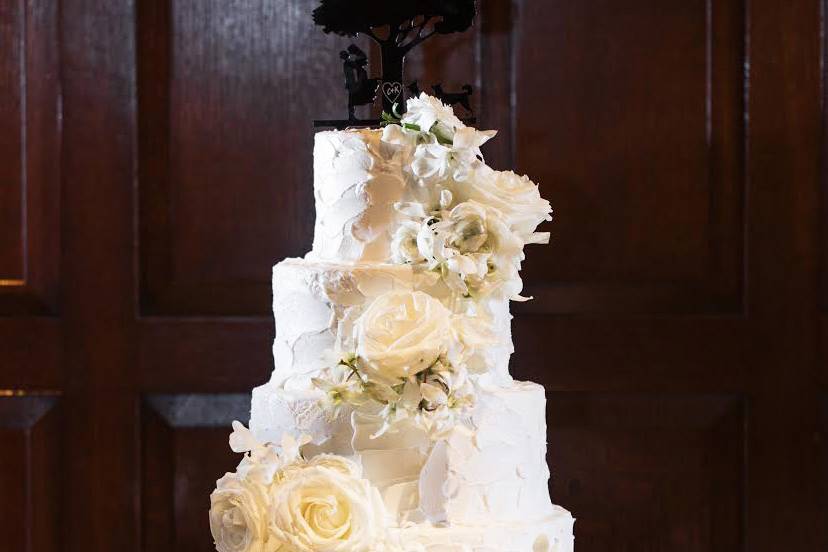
x=410 y=356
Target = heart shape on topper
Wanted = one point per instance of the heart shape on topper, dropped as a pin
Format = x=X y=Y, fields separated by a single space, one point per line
x=392 y=90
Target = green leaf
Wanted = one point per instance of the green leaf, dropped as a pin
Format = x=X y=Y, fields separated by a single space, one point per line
x=388 y=119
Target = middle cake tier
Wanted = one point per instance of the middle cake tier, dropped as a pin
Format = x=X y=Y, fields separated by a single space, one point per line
x=316 y=304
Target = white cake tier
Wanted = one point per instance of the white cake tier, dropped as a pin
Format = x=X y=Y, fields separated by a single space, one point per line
x=315 y=305
x=551 y=534
x=357 y=181
x=491 y=470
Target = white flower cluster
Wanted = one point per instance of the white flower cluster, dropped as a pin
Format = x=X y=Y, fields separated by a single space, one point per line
x=411 y=359
x=278 y=502
x=470 y=223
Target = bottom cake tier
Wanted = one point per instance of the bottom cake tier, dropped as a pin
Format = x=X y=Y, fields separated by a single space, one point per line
x=554 y=533
x=491 y=470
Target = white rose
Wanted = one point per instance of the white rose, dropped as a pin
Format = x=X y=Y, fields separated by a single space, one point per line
x=402 y=334
x=321 y=509
x=238 y=516
x=516 y=197
x=336 y=463
x=329 y=461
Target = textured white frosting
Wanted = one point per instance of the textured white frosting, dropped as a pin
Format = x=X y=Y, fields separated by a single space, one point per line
x=480 y=488
x=357 y=181
x=316 y=303
x=494 y=470
x=550 y=534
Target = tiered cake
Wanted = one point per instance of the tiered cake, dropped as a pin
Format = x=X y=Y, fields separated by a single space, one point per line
x=391 y=421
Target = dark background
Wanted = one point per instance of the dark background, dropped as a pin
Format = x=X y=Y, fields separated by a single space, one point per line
x=155 y=161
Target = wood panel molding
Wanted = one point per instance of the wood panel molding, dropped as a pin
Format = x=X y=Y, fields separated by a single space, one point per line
x=635 y=112
x=184 y=449
x=30 y=467
x=655 y=472
x=823 y=449
x=226 y=95
x=29 y=157
x=205 y=355
x=823 y=172
x=30 y=353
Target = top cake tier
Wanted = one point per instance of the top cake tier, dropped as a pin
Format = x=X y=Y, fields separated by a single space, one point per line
x=357 y=181
x=419 y=193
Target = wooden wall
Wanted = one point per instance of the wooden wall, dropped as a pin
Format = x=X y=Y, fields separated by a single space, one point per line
x=155 y=161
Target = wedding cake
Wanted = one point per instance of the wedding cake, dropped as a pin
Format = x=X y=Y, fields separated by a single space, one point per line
x=391 y=422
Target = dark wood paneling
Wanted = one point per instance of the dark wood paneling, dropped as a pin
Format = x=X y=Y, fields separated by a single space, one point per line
x=636 y=119
x=12 y=136
x=822 y=363
x=649 y=472
x=29 y=154
x=100 y=406
x=30 y=463
x=822 y=372
x=205 y=355
x=638 y=354
x=783 y=272
x=30 y=353
x=496 y=21
x=185 y=449
x=630 y=115
x=227 y=92
x=823 y=177
x=822 y=438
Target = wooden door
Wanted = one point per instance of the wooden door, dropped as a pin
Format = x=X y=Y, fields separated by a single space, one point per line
x=155 y=161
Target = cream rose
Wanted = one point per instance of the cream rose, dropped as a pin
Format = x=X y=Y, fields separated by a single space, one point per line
x=238 y=521
x=402 y=334
x=336 y=463
x=329 y=461
x=516 y=197
x=326 y=507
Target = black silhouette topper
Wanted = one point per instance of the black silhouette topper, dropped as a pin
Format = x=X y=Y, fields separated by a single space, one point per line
x=397 y=26
x=454 y=98
x=361 y=89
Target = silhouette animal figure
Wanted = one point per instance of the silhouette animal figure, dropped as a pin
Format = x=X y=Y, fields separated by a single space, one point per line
x=414 y=88
x=454 y=98
x=361 y=89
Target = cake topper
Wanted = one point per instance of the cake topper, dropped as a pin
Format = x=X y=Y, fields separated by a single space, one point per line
x=397 y=26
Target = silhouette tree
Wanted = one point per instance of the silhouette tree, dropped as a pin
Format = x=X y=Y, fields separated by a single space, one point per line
x=396 y=25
